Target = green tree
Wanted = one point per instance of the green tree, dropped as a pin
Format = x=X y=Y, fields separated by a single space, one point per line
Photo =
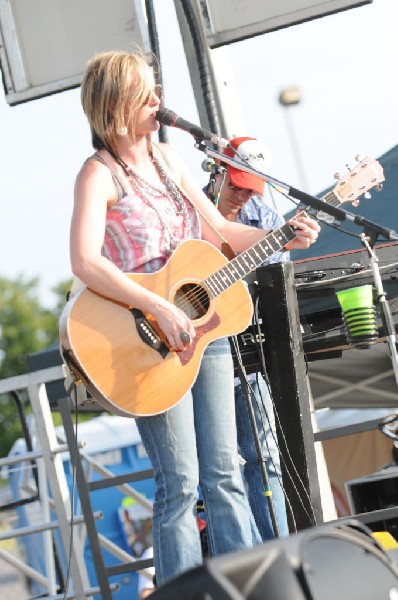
x=25 y=327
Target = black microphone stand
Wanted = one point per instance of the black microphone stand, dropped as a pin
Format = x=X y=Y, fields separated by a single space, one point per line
x=388 y=321
x=306 y=199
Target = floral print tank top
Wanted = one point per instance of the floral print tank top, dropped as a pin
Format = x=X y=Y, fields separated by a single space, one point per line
x=136 y=240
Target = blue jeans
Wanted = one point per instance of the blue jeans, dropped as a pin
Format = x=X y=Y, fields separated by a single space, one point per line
x=264 y=417
x=194 y=444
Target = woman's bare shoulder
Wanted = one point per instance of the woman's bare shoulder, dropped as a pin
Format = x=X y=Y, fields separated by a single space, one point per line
x=95 y=177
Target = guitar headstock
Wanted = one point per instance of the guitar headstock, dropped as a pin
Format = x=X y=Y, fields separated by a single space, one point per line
x=367 y=174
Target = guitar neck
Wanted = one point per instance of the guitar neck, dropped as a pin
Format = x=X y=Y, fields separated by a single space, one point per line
x=249 y=260
x=366 y=175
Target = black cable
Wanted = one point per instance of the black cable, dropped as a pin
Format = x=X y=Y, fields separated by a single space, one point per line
x=33 y=464
x=248 y=393
x=203 y=66
x=36 y=497
x=155 y=49
x=275 y=439
x=72 y=493
x=260 y=352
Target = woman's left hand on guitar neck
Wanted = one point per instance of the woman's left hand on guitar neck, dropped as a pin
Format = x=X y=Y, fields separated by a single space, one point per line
x=306 y=230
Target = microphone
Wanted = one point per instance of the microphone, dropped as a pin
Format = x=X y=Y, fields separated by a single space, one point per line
x=210 y=166
x=168 y=117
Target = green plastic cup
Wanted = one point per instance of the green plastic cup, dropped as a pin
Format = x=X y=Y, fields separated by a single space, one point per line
x=357 y=297
x=359 y=315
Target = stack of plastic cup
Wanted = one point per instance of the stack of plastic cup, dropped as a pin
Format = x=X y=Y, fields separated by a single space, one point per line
x=359 y=315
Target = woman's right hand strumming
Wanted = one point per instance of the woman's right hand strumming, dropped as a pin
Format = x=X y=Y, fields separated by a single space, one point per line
x=174 y=323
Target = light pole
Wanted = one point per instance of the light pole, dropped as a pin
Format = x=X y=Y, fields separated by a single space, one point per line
x=289 y=97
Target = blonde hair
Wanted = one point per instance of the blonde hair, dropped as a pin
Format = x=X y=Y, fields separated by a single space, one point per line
x=106 y=93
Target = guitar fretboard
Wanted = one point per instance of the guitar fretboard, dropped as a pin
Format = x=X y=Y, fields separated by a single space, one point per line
x=250 y=259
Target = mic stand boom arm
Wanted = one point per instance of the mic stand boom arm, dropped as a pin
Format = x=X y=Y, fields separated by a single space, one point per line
x=388 y=320
x=307 y=199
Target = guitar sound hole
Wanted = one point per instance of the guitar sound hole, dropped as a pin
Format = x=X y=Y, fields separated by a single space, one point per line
x=193 y=300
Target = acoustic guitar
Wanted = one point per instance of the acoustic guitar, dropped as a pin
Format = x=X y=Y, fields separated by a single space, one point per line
x=119 y=354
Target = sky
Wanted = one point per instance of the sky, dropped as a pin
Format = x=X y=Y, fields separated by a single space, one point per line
x=345 y=66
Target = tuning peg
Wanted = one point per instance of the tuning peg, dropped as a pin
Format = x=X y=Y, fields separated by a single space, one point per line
x=378 y=187
x=367 y=195
x=359 y=157
x=337 y=175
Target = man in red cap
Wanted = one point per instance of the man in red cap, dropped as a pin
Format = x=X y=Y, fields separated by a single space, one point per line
x=239 y=197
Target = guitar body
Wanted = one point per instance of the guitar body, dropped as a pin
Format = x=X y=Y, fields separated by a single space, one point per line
x=119 y=353
x=129 y=370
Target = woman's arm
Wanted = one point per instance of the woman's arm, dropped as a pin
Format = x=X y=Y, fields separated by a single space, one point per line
x=94 y=190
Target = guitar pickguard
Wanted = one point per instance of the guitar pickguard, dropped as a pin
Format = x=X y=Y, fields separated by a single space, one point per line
x=211 y=324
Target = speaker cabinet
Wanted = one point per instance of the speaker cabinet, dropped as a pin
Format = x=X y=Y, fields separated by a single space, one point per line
x=339 y=560
x=375 y=492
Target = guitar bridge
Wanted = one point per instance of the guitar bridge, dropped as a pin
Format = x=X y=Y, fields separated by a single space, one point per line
x=148 y=334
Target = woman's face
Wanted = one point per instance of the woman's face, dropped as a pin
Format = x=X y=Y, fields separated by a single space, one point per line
x=145 y=118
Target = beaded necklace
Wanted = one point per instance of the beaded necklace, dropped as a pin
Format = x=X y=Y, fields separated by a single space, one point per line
x=149 y=192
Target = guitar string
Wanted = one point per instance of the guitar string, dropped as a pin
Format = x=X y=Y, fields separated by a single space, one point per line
x=232 y=276
x=235 y=268
x=193 y=295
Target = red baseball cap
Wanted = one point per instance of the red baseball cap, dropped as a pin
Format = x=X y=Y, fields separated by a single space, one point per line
x=251 y=152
